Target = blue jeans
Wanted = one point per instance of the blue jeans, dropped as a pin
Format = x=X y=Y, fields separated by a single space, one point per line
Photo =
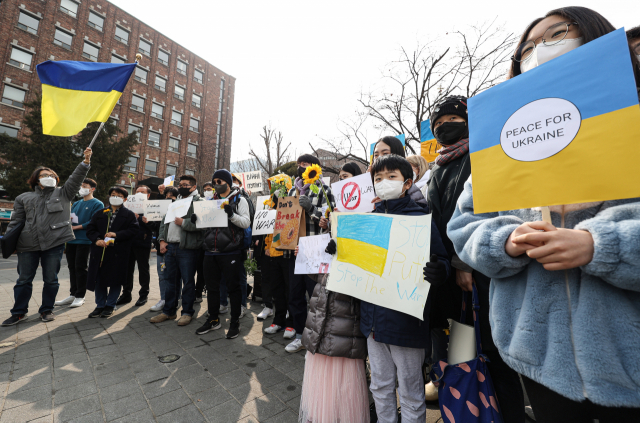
x=104 y=299
x=243 y=289
x=180 y=266
x=162 y=276
x=27 y=268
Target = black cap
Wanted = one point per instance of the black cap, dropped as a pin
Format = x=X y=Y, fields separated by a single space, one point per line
x=452 y=105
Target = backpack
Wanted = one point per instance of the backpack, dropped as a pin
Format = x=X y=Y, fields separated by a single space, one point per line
x=252 y=208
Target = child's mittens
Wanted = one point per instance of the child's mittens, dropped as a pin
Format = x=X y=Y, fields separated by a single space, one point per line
x=435 y=271
x=194 y=218
x=331 y=247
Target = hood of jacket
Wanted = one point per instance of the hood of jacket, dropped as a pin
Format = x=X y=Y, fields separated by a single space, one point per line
x=404 y=205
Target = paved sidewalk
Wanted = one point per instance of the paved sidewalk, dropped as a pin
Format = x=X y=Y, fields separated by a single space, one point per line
x=78 y=369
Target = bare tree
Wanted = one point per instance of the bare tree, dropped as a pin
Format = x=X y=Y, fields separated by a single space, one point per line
x=275 y=154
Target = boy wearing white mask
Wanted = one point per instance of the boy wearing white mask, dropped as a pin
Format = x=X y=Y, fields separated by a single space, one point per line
x=77 y=251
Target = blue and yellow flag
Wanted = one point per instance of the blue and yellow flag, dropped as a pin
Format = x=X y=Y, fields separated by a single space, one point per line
x=363 y=240
x=76 y=93
x=564 y=132
x=428 y=144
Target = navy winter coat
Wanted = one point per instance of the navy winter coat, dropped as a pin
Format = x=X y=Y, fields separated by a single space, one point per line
x=390 y=326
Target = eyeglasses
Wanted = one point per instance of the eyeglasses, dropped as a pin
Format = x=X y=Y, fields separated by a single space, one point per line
x=46 y=175
x=553 y=35
x=185 y=186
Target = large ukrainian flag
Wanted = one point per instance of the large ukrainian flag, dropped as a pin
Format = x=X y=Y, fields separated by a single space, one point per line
x=363 y=240
x=518 y=163
x=76 y=93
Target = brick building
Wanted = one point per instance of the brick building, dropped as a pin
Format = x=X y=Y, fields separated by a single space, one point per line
x=180 y=105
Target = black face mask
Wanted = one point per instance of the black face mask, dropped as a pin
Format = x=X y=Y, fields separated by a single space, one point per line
x=221 y=189
x=184 y=192
x=451 y=132
x=301 y=170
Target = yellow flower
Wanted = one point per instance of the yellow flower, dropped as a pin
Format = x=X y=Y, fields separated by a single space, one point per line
x=224 y=204
x=312 y=174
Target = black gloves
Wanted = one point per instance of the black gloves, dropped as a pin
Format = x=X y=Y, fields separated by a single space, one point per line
x=305 y=203
x=331 y=247
x=435 y=271
x=228 y=210
x=194 y=218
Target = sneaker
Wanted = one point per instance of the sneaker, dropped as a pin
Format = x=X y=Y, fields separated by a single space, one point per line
x=234 y=331
x=77 y=302
x=223 y=309
x=295 y=346
x=208 y=326
x=124 y=299
x=158 y=307
x=66 y=301
x=198 y=300
x=14 y=319
x=184 y=320
x=273 y=329
x=266 y=312
x=96 y=313
x=162 y=318
x=243 y=312
x=289 y=333
x=141 y=301
x=47 y=316
x=106 y=313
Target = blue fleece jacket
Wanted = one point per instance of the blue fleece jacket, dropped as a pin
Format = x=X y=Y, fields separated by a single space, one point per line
x=85 y=211
x=575 y=331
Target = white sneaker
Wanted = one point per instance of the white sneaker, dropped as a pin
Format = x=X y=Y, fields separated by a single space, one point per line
x=66 y=301
x=77 y=302
x=223 y=309
x=273 y=329
x=266 y=312
x=289 y=333
x=158 y=307
x=295 y=346
x=243 y=312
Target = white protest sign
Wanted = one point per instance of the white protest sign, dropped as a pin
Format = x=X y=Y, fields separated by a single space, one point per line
x=354 y=194
x=74 y=218
x=326 y=180
x=155 y=210
x=251 y=181
x=260 y=202
x=311 y=258
x=178 y=209
x=210 y=214
x=136 y=203
x=380 y=259
x=263 y=222
x=168 y=181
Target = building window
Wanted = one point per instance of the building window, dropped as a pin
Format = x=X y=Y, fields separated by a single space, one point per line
x=12 y=132
x=21 y=58
x=182 y=67
x=157 y=111
x=151 y=168
x=141 y=75
x=189 y=172
x=144 y=47
x=171 y=170
x=69 y=7
x=90 y=52
x=163 y=57
x=179 y=93
x=161 y=83
x=13 y=96
x=174 y=144
x=198 y=76
x=154 y=139
x=194 y=124
x=137 y=103
x=196 y=100
x=191 y=150
x=176 y=118
x=122 y=35
x=96 y=21
x=136 y=129
x=116 y=59
x=132 y=165
x=62 y=39
x=28 y=23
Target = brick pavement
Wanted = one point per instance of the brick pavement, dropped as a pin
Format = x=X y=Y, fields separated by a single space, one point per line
x=78 y=369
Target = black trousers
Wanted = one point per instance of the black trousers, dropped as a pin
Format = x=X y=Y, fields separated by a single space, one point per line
x=506 y=382
x=200 y=284
x=215 y=268
x=265 y=291
x=299 y=285
x=78 y=263
x=279 y=280
x=141 y=256
x=551 y=407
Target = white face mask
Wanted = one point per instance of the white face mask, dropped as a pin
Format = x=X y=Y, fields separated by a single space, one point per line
x=544 y=53
x=208 y=195
x=141 y=196
x=84 y=192
x=388 y=189
x=48 y=182
x=116 y=201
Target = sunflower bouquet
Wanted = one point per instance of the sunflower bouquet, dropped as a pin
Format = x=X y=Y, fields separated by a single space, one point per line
x=280 y=185
x=310 y=176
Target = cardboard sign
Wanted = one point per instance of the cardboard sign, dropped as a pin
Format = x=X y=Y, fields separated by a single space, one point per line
x=155 y=210
x=534 y=139
x=354 y=195
x=260 y=202
x=380 y=259
x=178 y=209
x=136 y=203
x=290 y=224
x=311 y=258
x=211 y=214
x=264 y=222
x=251 y=181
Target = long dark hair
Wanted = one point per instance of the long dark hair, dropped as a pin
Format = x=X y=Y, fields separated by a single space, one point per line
x=395 y=145
x=592 y=25
x=34 y=179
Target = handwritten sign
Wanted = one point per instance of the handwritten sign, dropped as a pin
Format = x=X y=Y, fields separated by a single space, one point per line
x=168 y=181
x=264 y=222
x=251 y=181
x=380 y=259
x=178 y=209
x=260 y=202
x=155 y=210
x=289 y=224
x=354 y=195
x=210 y=214
x=311 y=258
x=136 y=203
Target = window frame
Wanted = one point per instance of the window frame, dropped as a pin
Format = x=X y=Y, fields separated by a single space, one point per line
x=161 y=61
x=135 y=107
x=141 y=50
x=11 y=101
x=166 y=172
x=93 y=24
x=189 y=153
x=27 y=27
x=176 y=95
x=153 y=143
x=199 y=103
x=171 y=148
x=147 y=171
x=155 y=114
x=68 y=11
x=120 y=60
x=200 y=81
x=119 y=38
x=9 y=128
x=191 y=127
x=158 y=87
x=88 y=55
x=180 y=71
x=138 y=78
x=128 y=168
x=18 y=64
x=175 y=122
x=61 y=43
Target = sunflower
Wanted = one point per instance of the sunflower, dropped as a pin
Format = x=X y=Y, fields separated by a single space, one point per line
x=224 y=204
x=312 y=174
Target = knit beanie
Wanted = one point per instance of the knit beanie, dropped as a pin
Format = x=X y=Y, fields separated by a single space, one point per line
x=452 y=105
x=352 y=168
x=308 y=158
x=223 y=174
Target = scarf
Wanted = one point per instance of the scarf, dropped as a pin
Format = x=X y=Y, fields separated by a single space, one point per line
x=452 y=152
x=302 y=187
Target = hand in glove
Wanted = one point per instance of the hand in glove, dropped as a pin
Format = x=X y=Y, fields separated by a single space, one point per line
x=228 y=210
x=435 y=271
x=331 y=247
x=305 y=203
x=194 y=218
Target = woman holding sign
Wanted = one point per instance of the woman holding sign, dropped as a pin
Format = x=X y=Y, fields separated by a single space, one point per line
x=565 y=296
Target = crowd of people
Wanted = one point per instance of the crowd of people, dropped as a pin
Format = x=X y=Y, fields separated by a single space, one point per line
x=559 y=302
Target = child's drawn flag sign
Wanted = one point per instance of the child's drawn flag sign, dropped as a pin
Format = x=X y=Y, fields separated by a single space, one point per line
x=536 y=140
x=354 y=194
x=380 y=259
